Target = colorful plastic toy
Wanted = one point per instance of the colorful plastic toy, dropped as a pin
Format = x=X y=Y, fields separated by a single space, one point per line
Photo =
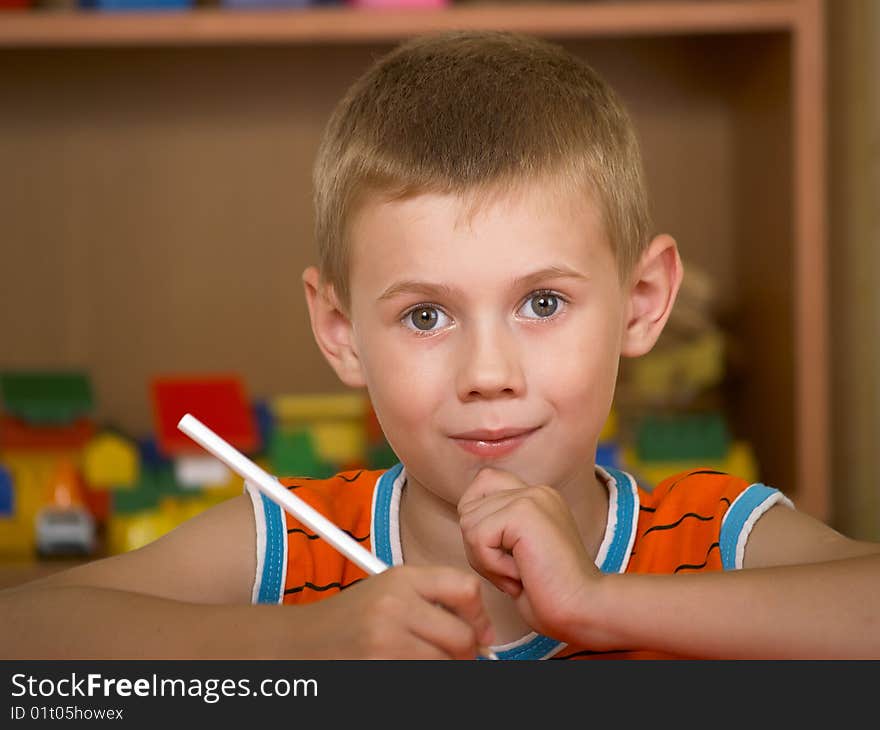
x=335 y=423
x=110 y=462
x=47 y=398
x=7 y=495
x=64 y=526
x=219 y=401
x=18 y=435
x=293 y=453
x=739 y=460
x=690 y=437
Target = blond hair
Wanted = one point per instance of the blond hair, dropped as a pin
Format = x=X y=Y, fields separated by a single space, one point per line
x=476 y=113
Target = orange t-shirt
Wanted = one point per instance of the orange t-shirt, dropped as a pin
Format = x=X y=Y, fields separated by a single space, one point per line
x=694 y=521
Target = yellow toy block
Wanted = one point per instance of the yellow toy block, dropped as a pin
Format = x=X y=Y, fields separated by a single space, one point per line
x=32 y=474
x=292 y=411
x=132 y=531
x=609 y=430
x=336 y=423
x=17 y=539
x=340 y=442
x=692 y=366
x=179 y=511
x=110 y=462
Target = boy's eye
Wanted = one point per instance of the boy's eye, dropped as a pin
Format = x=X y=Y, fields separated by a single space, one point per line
x=540 y=305
x=424 y=318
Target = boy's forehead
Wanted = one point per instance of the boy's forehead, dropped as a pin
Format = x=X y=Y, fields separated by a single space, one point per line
x=545 y=195
x=440 y=234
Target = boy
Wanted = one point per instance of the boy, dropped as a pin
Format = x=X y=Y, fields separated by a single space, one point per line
x=485 y=262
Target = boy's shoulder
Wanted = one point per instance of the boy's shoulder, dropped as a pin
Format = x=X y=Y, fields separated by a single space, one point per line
x=698 y=519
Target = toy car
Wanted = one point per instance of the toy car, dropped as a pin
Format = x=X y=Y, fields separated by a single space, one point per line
x=65 y=531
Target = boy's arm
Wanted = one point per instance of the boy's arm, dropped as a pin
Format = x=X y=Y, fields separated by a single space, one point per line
x=145 y=602
x=807 y=592
x=785 y=536
x=807 y=611
x=816 y=595
x=187 y=595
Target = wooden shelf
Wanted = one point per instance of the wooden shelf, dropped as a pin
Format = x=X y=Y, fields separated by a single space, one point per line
x=332 y=25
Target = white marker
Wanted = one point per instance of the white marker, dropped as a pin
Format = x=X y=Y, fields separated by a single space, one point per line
x=274 y=490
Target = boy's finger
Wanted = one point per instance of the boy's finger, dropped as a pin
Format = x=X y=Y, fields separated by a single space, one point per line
x=488 y=545
x=477 y=509
x=489 y=481
x=459 y=593
x=445 y=630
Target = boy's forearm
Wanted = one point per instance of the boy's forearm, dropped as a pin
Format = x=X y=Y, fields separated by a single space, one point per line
x=822 y=610
x=81 y=622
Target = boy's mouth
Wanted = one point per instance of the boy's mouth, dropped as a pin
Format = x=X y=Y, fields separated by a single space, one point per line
x=490 y=444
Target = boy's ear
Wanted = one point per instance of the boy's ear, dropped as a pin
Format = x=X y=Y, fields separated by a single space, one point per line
x=653 y=287
x=332 y=329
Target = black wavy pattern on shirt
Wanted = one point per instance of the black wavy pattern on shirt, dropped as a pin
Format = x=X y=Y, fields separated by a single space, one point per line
x=678 y=522
x=310 y=536
x=686 y=566
x=654 y=509
x=693 y=474
x=313 y=587
x=642 y=507
x=345 y=479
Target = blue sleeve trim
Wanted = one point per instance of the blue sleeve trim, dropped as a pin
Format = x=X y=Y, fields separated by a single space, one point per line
x=271 y=590
x=539 y=647
x=382 y=533
x=617 y=552
x=738 y=516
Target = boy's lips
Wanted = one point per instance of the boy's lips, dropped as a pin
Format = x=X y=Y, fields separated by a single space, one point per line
x=488 y=443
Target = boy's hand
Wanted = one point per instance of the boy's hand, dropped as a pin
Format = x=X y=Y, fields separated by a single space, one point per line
x=525 y=541
x=407 y=612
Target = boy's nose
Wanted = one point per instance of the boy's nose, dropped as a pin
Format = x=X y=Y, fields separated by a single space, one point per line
x=490 y=367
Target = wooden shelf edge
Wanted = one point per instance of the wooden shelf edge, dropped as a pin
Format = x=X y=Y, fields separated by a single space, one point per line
x=341 y=24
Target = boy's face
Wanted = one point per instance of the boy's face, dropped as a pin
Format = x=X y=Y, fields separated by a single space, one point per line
x=513 y=322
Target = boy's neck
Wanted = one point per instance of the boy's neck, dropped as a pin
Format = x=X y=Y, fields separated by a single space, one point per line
x=430 y=535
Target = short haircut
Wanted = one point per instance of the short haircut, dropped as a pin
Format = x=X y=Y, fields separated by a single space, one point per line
x=476 y=114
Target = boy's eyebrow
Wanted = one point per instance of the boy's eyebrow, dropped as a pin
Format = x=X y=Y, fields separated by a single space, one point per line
x=430 y=289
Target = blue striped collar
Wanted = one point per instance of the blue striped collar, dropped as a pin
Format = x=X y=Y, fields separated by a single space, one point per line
x=613 y=556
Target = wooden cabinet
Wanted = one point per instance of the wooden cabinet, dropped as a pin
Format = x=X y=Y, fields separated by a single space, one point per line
x=155 y=188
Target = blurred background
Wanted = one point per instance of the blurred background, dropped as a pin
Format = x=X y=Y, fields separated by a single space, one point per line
x=155 y=200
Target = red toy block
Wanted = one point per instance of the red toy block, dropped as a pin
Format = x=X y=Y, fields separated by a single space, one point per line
x=16 y=435
x=218 y=401
x=374 y=431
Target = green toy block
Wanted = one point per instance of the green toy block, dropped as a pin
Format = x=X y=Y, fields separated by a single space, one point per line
x=381 y=456
x=168 y=486
x=46 y=397
x=292 y=453
x=683 y=437
x=144 y=495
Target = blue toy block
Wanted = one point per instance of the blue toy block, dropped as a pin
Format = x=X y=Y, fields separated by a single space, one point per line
x=7 y=494
x=265 y=419
x=608 y=454
x=151 y=457
x=123 y=5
